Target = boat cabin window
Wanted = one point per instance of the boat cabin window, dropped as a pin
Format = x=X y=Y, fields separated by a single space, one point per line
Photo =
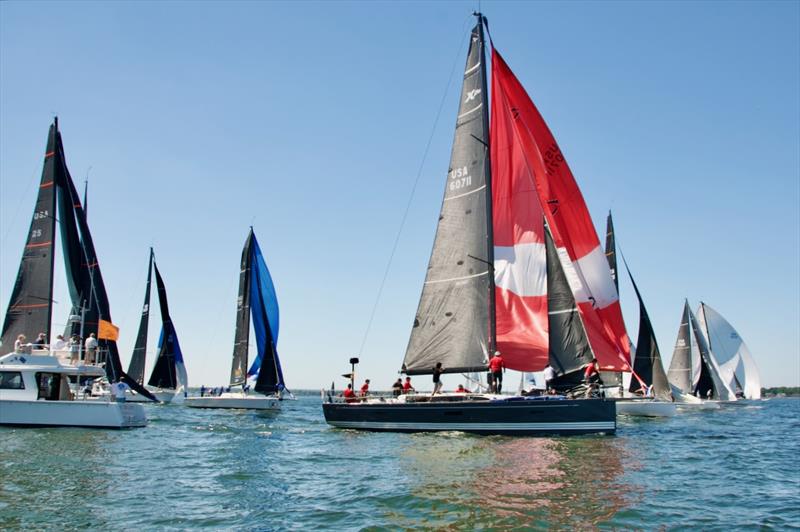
x=11 y=380
x=52 y=386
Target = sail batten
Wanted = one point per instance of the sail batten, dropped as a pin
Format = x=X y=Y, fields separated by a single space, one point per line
x=454 y=323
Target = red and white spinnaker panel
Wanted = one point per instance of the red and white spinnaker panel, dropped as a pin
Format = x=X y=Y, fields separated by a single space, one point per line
x=520 y=268
x=574 y=234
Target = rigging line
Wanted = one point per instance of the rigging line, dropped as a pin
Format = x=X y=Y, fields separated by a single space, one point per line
x=411 y=196
x=19 y=206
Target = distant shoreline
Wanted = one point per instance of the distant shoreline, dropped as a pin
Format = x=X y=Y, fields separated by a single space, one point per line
x=781 y=391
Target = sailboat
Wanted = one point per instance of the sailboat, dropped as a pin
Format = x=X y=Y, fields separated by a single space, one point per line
x=694 y=373
x=516 y=267
x=169 y=372
x=257 y=299
x=736 y=365
x=649 y=394
x=37 y=386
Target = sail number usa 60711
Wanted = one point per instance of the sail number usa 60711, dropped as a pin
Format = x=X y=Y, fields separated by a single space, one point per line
x=459 y=178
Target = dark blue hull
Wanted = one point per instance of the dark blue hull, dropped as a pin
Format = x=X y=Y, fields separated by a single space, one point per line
x=511 y=416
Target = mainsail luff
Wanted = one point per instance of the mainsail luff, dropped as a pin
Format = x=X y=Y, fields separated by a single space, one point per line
x=30 y=307
x=137 y=363
x=241 y=341
x=454 y=323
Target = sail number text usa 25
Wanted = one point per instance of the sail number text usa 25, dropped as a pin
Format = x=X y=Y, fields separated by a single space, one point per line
x=459 y=178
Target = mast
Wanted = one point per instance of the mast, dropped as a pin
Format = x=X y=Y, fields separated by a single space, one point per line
x=488 y=178
x=30 y=307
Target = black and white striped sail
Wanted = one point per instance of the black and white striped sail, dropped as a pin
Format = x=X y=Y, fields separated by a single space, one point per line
x=647 y=358
x=454 y=323
x=136 y=365
x=736 y=365
x=30 y=308
x=241 y=341
x=569 y=345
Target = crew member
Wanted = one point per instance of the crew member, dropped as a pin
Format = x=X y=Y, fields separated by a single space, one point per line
x=397 y=387
x=437 y=378
x=497 y=366
x=349 y=395
x=365 y=388
x=407 y=388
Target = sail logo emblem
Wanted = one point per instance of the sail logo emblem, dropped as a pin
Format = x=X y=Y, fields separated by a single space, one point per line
x=681 y=343
x=145 y=308
x=471 y=95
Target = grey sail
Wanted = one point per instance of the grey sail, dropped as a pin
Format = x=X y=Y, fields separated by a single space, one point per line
x=454 y=323
x=709 y=379
x=680 y=367
x=241 y=342
x=569 y=346
x=30 y=308
x=136 y=365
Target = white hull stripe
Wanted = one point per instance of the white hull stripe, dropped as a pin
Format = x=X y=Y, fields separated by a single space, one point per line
x=588 y=425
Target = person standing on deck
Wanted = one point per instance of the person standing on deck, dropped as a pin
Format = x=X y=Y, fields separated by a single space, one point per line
x=40 y=342
x=365 y=388
x=91 y=349
x=591 y=374
x=549 y=375
x=60 y=344
x=437 y=378
x=497 y=366
x=74 y=349
x=397 y=387
x=19 y=344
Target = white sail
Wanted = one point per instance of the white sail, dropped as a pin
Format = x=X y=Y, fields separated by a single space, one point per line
x=736 y=364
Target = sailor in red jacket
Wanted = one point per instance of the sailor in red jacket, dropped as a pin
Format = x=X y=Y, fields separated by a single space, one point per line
x=349 y=394
x=365 y=388
x=497 y=365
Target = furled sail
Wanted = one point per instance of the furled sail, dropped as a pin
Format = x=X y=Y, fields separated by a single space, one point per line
x=570 y=224
x=266 y=319
x=736 y=364
x=520 y=265
x=647 y=360
x=454 y=323
x=569 y=346
x=241 y=341
x=169 y=371
x=680 y=367
x=136 y=365
x=31 y=306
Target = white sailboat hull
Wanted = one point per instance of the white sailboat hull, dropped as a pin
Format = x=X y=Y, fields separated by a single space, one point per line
x=235 y=400
x=162 y=396
x=99 y=414
x=700 y=405
x=646 y=408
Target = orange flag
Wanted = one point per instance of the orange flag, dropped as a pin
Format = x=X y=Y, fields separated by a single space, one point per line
x=107 y=331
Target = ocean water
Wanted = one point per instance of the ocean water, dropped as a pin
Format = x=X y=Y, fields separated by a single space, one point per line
x=733 y=469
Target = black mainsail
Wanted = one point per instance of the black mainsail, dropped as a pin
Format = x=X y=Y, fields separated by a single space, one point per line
x=30 y=307
x=455 y=322
x=569 y=345
x=611 y=249
x=241 y=340
x=136 y=365
x=169 y=371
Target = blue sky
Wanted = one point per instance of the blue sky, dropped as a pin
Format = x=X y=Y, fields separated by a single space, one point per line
x=310 y=120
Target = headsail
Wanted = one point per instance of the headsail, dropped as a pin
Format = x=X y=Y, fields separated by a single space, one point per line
x=709 y=376
x=169 y=371
x=266 y=320
x=30 y=307
x=570 y=224
x=611 y=250
x=241 y=341
x=647 y=360
x=569 y=346
x=136 y=365
x=454 y=323
x=736 y=364
x=520 y=265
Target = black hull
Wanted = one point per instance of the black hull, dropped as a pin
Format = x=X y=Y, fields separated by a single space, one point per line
x=514 y=416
